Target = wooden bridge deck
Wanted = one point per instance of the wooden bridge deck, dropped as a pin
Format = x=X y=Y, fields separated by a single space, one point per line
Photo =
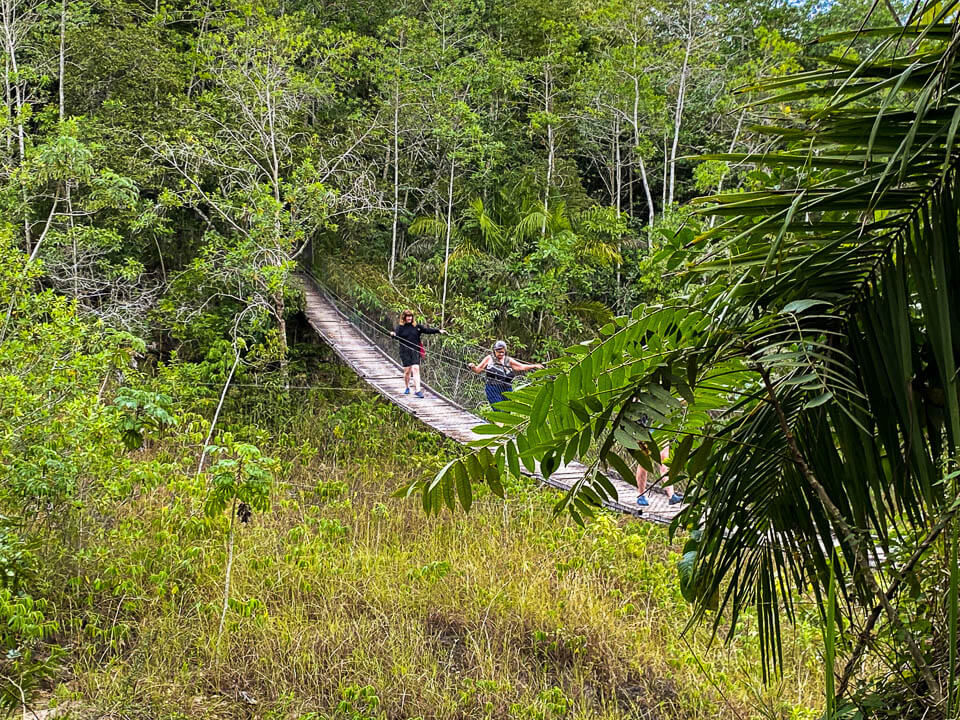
x=382 y=372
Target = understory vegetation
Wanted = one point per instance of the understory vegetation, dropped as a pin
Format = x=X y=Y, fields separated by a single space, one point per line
x=345 y=603
x=285 y=579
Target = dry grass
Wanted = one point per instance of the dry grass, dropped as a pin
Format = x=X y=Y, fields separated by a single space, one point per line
x=347 y=603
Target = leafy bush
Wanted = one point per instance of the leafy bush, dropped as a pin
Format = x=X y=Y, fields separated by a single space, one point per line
x=26 y=661
x=142 y=411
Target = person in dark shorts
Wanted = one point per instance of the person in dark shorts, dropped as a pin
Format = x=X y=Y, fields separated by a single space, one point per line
x=660 y=471
x=408 y=332
x=500 y=370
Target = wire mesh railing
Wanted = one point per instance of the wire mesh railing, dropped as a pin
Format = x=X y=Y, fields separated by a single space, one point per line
x=444 y=367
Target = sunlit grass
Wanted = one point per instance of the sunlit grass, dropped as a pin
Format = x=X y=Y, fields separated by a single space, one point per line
x=349 y=603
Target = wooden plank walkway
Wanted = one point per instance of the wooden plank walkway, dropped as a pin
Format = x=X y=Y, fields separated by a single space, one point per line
x=382 y=372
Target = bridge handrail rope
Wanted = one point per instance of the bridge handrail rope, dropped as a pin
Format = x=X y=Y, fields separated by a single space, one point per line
x=432 y=373
x=469 y=395
x=342 y=303
x=352 y=311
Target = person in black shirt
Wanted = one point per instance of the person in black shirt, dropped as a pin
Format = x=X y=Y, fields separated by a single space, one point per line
x=411 y=349
x=500 y=371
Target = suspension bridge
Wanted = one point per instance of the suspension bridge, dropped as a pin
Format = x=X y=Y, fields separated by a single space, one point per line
x=362 y=341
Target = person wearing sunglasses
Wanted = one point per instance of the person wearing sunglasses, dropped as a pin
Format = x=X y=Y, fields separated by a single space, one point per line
x=409 y=333
x=500 y=370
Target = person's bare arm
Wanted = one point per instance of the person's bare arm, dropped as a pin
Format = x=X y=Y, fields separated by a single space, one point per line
x=481 y=366
x=524 y=367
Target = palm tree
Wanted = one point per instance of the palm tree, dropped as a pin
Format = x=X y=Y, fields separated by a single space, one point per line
x=810 y=372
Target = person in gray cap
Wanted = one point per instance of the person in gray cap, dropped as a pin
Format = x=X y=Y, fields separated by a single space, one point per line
x=500 y=371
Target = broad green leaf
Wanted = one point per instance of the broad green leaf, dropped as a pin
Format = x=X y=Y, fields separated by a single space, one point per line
x=464 y=489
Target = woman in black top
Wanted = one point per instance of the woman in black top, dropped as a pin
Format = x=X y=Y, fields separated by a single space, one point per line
x=408 y=333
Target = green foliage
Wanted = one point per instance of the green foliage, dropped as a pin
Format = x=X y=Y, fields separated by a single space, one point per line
x=18 y=564
x=807 y=376
x=564 y=607
x=142 y=411
x=241 y=474
x=60 y=457
x=551 y=704
x=157 y=215
x=359 y=703
x=26 y=662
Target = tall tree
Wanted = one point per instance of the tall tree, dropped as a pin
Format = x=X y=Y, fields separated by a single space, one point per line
x=263 y=184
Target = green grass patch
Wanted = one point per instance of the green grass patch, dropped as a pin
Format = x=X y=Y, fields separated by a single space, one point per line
x=348 y=603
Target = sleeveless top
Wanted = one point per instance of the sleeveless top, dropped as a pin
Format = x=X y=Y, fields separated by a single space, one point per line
x=500 y=374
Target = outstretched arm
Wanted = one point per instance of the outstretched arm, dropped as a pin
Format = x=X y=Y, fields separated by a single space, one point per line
x=481 y=366
x=424 y=330
x=523 y=367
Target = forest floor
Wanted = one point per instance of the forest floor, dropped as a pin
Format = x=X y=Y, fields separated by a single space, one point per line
x=347 y=602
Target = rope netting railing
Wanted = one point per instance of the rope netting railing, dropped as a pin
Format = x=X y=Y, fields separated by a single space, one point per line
x=444 y=367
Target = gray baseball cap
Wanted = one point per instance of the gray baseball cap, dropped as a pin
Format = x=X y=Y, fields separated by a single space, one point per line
x=499 y=344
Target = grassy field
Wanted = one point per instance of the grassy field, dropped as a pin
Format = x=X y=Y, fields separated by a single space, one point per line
x=349 y=603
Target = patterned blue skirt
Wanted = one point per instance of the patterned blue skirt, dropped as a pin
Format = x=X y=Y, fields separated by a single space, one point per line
x=495 y=393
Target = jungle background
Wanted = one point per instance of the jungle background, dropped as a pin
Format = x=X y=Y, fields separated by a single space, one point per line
x=197 y=511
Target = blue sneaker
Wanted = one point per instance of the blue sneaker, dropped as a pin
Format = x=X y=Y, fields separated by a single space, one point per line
x=407 y=391
x=419 y=393
x=642 y=501
x=677 y=498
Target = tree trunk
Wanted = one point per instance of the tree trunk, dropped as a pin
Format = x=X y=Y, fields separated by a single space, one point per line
x=9 y=31
x=63 y=49
x=8 y=101
x=226 y=582
x=733 y=145
x=636 y=143
x=617 y=167
x=73 y=237
x=274 y=159
x=646 y=191
x=678 y=116
x=617 y=187
x=547 y=108
x=446 y=250
x=666 y=164
x=396 y=179
x=216 y=414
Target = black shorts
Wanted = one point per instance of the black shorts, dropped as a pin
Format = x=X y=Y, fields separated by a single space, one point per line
x=409 y=356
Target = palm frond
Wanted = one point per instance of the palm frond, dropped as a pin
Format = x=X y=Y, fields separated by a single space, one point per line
x=426 y=225
x=486 y=233
x=530 y=225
